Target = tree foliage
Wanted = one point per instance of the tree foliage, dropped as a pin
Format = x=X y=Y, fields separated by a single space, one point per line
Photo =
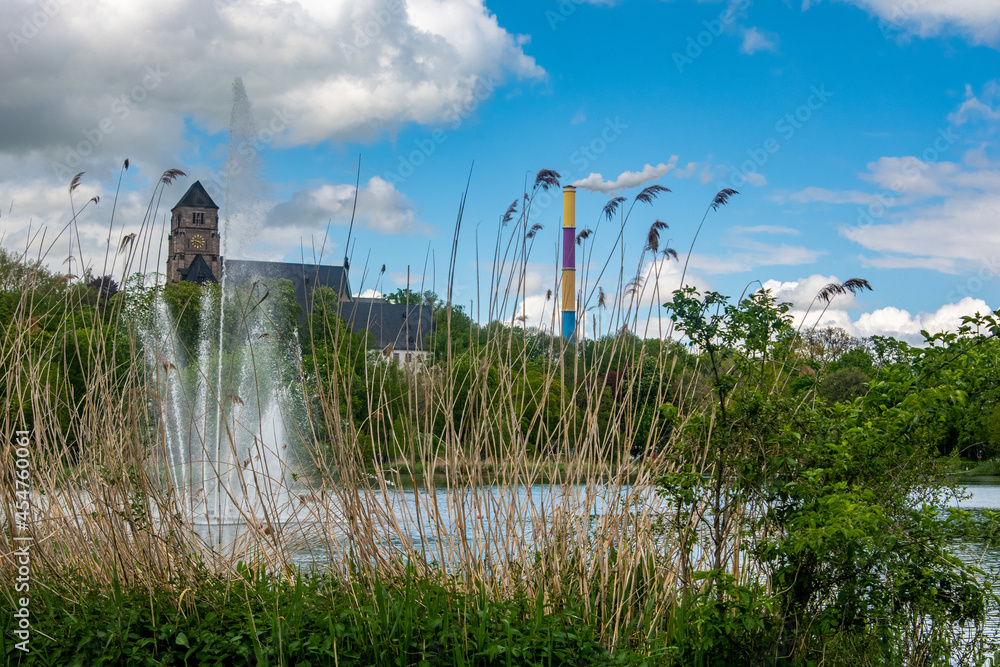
x=846 y=530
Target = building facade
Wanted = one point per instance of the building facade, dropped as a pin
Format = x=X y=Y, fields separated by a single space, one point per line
x=194 y=246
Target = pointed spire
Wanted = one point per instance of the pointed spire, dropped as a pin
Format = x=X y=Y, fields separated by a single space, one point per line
x=196 y=197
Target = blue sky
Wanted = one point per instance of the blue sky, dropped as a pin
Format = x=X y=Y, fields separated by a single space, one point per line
x=861 y=135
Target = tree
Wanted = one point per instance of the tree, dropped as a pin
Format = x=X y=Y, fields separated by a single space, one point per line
x=412 y=298
x=843 y=524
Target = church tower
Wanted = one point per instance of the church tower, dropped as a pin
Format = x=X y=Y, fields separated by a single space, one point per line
x=194 y=243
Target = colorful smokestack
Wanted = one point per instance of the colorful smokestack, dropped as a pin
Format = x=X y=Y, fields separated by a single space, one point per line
x=569 y=262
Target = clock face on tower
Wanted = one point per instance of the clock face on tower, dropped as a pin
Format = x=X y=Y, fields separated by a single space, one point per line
x=198 y=242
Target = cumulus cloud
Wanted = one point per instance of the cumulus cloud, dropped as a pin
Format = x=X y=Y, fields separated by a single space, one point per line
x=979 y=20
x=802 y=293
x=380 y=207
x=91 y=83
x=899 y=323
x=888 y=321
x=340 y=69
x=628 y=179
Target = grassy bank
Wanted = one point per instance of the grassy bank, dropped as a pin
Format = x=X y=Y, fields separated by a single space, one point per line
x=258 y=619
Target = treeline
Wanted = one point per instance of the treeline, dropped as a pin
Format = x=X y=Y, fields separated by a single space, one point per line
x=623 y=390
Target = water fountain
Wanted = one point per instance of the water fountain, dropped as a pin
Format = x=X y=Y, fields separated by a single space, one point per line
x=229 y=401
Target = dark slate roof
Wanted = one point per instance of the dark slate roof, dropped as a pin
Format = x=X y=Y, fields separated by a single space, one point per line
x=198 y=271
x=402 y=326
x=197 y=197
x=305 y=277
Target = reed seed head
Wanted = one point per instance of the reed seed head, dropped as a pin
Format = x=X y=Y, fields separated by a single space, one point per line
x=650 y=193
x=170 y=175
x=722 y=198
x=547 y=179
x=853 y=285
x=75 y=183
x=612 y=206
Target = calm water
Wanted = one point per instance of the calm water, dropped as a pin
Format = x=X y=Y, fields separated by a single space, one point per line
x=418 y=521
x=981 y=553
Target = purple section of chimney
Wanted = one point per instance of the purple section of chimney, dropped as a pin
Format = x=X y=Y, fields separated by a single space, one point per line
x=569 y=247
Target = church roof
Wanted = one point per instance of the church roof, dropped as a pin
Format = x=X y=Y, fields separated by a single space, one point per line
x=196 y=197
x=198 y=271
x=400 y=325
x=305 y=277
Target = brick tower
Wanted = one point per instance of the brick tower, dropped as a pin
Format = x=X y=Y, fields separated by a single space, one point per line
x=194 y=243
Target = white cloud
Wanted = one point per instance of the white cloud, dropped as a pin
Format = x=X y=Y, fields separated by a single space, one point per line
x=628 y=179
x=766 y=229
x=888 y=321
x=977 y=19
x=339 y=70
x=755 y=39
x=106 y=79
x=913 y=176
x=897 y=262
x=961 y=228
x=973 y=107
x=380 y=207
x=687 y=171
x=36 y=218
x=901 y=324
x=748 y=254
x=756 y=179
x=976 y=157
x=815 y=194
x=802 y=293
x=925 y=212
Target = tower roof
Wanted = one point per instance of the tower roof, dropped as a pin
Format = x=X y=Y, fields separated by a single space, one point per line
x=196 y=197
x=199 y=271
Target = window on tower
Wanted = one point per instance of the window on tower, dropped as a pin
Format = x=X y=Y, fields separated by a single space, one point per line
x=199 y=218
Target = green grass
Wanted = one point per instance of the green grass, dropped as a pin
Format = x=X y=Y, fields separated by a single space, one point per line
x=983 y=469
x=308 y=621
